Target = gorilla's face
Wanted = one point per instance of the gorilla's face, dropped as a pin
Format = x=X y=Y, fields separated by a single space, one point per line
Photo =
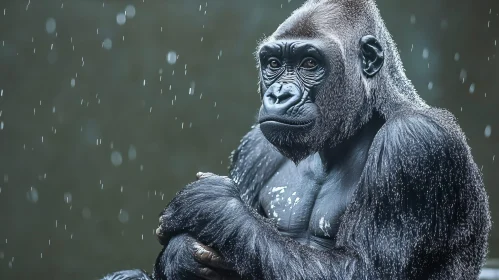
x=291 y=75
x=312 y=92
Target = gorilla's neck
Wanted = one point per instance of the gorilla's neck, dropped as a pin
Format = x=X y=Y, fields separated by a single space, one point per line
x=354 y=151
x=392 y=89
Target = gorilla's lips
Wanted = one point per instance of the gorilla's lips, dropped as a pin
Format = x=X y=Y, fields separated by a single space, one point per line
x=291 y=136
x=285 y=121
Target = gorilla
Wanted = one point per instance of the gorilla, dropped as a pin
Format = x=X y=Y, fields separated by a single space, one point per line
x=348 y=174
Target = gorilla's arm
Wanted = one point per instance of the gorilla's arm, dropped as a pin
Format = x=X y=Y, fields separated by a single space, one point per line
x=421 y=209
x=135 y=274
x=417 y=202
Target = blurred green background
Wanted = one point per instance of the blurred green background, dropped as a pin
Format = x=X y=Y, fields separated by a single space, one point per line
x=104 y=115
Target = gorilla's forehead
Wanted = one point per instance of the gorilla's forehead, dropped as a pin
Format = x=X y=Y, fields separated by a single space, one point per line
x=291 y=46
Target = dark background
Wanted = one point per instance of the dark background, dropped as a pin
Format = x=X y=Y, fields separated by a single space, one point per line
x=87 y=165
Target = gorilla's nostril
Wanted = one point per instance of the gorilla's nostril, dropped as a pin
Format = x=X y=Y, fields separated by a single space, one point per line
x=279 y=98
x=272 y=99
x=283 y=98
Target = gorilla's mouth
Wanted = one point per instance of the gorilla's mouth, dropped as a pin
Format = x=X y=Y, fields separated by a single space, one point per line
x=285 y=121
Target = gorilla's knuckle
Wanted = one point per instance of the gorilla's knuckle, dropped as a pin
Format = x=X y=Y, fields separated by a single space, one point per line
x=208 y=273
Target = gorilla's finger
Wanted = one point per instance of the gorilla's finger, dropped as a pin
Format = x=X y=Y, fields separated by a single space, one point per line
x=208 y=256
x=207 y=274
x=202 y=175
x=162 y=237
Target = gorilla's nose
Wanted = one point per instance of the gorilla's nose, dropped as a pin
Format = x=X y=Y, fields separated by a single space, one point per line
x=280 y=97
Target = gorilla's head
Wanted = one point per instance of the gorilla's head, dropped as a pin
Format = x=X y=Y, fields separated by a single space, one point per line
x=321 y=73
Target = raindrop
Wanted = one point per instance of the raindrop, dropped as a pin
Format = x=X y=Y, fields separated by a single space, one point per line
x=116 y=158
x=444 y=24
x=413 y=19
x=488 y=131
x=426 y=53
x=107 y=44
x=132 y=152
x=171 y=57
x=73 y=82
x=123 y=216
x=1 y=125
x=32 y=195
x=68 y=197
x=472 y=88
x=463 y=75
x=457 y=56
x=121 y=18
x=130 y=11
x=50 y=25
x=86 y=213
x=430 y=85
x=191 y=89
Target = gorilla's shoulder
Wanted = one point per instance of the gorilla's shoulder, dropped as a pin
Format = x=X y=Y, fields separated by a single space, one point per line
x=253 y=148
x=253 y=163
x=426 y=124
x=422 y=135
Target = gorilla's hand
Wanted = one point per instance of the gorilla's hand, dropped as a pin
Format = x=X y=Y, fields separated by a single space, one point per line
x=202 y=209
x=186 y=258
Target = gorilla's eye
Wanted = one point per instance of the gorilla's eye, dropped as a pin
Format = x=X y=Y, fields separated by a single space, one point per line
x=274 y=63
x=309 y=63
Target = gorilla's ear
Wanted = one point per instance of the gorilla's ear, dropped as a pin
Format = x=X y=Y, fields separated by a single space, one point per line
x=371 y=54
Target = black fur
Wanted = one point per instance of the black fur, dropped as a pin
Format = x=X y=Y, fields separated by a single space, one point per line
x=135 y=274
x=378 y=185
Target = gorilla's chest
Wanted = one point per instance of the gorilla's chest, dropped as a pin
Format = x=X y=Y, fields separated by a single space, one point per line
x=305 y=209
